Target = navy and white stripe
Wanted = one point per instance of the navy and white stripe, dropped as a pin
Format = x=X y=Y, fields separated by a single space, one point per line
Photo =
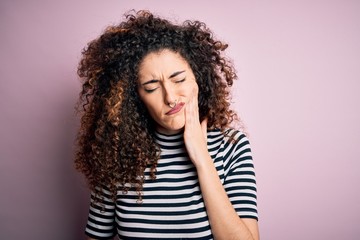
x=173 y=206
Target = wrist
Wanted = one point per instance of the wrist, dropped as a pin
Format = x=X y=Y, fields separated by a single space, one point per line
x=204 y=163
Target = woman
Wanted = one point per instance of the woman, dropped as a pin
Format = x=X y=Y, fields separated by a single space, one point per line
x=155 y=142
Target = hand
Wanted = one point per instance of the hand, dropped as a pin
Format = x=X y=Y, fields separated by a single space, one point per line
x=195 y=133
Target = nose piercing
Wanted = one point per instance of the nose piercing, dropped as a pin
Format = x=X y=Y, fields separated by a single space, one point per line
x=173 y=104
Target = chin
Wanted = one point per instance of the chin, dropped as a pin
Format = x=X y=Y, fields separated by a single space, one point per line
x=173 y=129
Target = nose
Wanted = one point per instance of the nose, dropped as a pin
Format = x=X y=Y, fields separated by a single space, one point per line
x=169 y=95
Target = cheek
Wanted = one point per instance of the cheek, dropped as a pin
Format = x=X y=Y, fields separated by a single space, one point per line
x=190 y=89
x=152 y=105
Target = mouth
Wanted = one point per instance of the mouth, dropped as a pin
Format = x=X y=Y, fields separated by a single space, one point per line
x=176 y=109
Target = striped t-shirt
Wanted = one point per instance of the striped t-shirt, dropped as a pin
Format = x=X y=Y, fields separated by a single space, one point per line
x=173 y=207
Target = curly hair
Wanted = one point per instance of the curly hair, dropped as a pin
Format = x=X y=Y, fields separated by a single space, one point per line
x=115 y=142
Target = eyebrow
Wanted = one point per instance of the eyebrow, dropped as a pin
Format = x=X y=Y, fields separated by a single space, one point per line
x=176 y=73
x=155 y=81
x=149 y=82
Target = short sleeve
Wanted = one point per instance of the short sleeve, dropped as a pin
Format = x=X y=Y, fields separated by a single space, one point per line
x=101 y=219
x=240 y=181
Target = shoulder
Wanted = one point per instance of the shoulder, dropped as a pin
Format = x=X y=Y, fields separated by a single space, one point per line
x=229 y=135
x=228 y=143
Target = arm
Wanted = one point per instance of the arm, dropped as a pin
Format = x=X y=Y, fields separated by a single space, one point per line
x=101 y=219
x=224 y=220
x=96 y=239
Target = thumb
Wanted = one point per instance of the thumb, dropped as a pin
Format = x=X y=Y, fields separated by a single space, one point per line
x=204 y=128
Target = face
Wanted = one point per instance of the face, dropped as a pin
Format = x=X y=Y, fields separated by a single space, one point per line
x=165 y=78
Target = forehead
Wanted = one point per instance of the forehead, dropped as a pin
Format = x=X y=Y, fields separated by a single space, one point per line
x=161 y=62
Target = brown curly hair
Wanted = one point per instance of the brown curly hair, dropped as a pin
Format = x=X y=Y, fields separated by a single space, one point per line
x=115 y=142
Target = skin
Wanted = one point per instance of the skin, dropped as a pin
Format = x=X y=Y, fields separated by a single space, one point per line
x=225 y=223
x=165 y=77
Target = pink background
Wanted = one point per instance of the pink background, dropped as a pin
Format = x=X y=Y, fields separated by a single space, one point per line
x=298 y=93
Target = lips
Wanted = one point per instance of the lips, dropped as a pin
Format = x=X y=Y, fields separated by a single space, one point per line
x=176 y=109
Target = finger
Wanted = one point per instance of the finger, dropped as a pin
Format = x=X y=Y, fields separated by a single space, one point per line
x=194 y=100
x=192 y=109
x=204 y=128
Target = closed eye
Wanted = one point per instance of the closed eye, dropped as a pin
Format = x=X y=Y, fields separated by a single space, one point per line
x=149 y=85
x=180 y=81
x=150 y=90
